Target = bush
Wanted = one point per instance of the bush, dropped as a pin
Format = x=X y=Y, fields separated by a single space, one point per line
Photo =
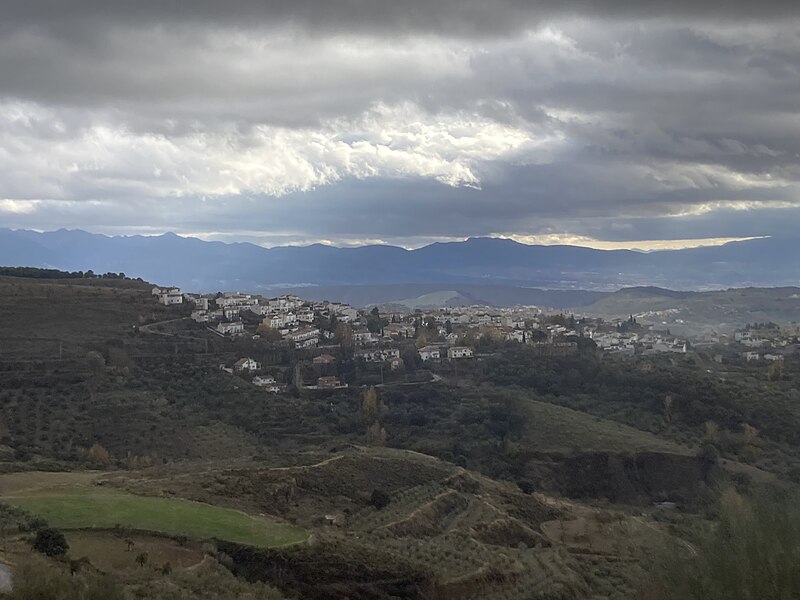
x=752 y=552
x=50 y=542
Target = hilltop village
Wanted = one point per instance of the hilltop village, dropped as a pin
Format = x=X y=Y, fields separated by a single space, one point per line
x=337 y=345
x=398 y=342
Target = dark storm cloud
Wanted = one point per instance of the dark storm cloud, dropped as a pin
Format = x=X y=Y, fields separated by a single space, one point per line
x=457 y=17
x=349 y=120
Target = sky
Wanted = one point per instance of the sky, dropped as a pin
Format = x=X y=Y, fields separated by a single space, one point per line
x=606 y=123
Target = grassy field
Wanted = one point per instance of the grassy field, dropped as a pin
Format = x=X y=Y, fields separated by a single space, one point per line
x=108 y=551
x=70 y=501
x=551 y=428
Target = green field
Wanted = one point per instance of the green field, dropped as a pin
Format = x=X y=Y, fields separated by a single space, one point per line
x=82 y=506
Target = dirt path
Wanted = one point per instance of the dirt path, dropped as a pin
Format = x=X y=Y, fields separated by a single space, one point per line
x=149 y=327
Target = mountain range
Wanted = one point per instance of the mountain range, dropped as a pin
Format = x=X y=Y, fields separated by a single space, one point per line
x=198 y=265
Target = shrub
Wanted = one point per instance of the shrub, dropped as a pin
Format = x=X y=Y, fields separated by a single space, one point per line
x=752 y=552
x=50 y=542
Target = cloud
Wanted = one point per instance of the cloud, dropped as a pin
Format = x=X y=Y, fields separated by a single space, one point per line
x=349 y=121
x=449 y=17
x=101 y=160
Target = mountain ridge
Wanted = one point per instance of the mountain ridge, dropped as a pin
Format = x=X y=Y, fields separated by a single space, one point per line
x=199 y=265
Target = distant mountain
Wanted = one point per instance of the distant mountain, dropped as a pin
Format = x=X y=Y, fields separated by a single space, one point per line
x=209 y=266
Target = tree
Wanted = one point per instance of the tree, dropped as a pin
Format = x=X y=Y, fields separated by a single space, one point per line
x=376 y=435
x=344 y=335
x=668 y=401
x=375 y=322
x=372 y=411
x=370 y=406
x=50 y=542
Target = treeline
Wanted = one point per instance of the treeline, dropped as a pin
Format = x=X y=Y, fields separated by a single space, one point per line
x=36 y=273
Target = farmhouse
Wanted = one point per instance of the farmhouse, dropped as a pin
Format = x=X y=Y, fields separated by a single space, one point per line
x=246 y=364
x=230 y=328
x=169 y=296
x=329 y=383
x=429 y=353
x=324 y=359
x=459 y=352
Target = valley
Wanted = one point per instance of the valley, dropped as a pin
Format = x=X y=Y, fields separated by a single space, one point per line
x=513 y=474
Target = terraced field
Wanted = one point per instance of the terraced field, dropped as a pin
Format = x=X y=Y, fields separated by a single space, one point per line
x=73 y=501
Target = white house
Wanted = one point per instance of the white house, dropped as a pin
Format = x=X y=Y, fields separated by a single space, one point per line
x=263 y=380
x=305 y=316
x=378 y=355
x=459 y=352
x=280 y=320
x=169 y=296
x=246 y=364
x=429 y=353
x=364 y=337
x=306 y=337
x=158 y=291
x=230 y=328
x=288 y=302
x=231 y=311
x=515 y=335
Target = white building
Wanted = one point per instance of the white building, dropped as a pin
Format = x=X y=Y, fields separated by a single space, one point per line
x=231 y=312
x=269 y=385
x=459 y=352
x=281 y=320
x=246 y=364
x=230 y=328
x=378 y=355
x=364 y=337
x=169 y=296
x=306 y=337
x=515 y=335
x=429 y=353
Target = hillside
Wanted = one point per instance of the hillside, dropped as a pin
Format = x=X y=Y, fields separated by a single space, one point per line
x=694 y=313
x=513 y=476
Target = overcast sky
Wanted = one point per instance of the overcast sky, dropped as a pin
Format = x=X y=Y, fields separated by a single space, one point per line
x=608 y=123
